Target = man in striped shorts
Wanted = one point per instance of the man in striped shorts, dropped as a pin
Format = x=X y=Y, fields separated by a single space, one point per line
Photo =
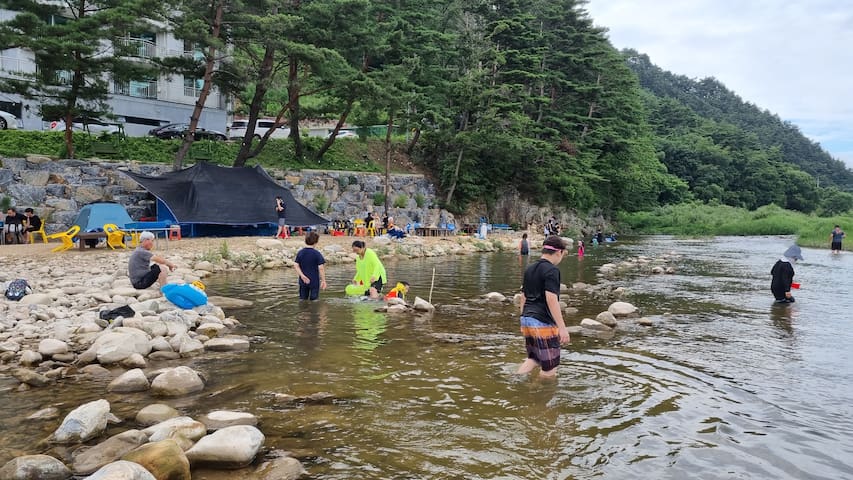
x=541 y=318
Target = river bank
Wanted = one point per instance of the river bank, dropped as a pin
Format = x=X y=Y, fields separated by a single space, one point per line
x=57 y=334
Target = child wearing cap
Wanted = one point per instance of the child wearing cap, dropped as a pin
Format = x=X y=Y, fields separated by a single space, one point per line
x=783 y=274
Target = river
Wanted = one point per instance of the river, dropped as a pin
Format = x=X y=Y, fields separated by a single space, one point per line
x=724 y=385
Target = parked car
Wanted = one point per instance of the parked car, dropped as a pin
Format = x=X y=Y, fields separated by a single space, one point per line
x=176 y=130
x=344 y=134
x=237 y=129
x=91 y=125
x=9 y=121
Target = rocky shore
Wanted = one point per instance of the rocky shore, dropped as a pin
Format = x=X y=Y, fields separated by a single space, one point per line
x=56 y=333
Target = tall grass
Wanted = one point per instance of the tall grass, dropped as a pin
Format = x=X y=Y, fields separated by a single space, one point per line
x=697 y=219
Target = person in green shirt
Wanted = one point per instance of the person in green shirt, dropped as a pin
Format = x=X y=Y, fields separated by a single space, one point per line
x=369 y=271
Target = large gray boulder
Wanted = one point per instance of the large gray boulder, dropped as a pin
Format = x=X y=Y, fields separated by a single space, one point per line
x=84 y=422
x=34 y=467
x=122 y=470
x=230 y=447
x=108 y=451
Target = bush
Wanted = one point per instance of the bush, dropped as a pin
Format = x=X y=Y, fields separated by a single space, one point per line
x=401 y=201
x=321 y=203
x=420 y=200
x=378 y=199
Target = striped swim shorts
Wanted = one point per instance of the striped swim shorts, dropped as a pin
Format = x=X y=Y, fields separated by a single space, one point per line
x=542 y=341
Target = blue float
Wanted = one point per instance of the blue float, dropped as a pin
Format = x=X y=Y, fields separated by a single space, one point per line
x=184 y=295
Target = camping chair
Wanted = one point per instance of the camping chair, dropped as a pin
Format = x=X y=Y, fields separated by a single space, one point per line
x=371 y=228
x=39 y=231
x=115 y=237
x=67 y=238
x=359 y=227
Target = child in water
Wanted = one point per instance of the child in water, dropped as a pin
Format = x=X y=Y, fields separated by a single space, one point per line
x=783 y=274
x=523 y=246
x=580 y=248
x=399 y=291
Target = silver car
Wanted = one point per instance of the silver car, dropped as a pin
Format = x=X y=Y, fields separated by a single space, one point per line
x=9 y=121
x=85 y=124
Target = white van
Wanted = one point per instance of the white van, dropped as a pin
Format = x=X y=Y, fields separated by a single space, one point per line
x=237 y=129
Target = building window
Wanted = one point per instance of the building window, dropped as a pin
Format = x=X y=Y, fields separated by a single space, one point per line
x=192 y=87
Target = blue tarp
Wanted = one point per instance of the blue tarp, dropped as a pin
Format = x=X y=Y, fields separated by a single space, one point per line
x=94 y=215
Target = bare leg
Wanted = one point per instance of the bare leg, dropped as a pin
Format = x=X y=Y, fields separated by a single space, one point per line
x=373 y=293
x=526 y=366
x=163 y=277
x=549 y=374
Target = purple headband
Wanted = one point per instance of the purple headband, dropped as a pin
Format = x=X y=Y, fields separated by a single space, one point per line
x=549 y=247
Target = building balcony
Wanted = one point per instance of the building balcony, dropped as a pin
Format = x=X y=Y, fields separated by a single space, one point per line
x=12 y=67
x=139 y=89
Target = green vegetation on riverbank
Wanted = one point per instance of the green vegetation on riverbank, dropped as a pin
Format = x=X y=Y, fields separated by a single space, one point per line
x=700 y=219
x=346 y=154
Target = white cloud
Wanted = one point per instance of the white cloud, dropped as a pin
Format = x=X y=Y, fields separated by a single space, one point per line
x=792 y=58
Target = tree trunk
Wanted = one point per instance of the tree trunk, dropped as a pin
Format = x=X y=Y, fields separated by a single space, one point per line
x=455 y=178
x=293 y=101
x=210 y=61
x=388 y=160
x=592 y=107
x=341 y=122
x=415 y=137
x=261 y=87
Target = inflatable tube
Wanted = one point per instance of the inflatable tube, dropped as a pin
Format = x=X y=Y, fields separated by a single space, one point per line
x=356 y=290
x=184 y=295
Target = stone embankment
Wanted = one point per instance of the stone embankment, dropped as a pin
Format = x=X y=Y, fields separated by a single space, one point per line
x=56 y=334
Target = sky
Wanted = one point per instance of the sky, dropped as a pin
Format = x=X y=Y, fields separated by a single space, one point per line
x=793 y=58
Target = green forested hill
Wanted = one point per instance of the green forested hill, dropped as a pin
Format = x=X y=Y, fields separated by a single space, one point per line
x=677 y=98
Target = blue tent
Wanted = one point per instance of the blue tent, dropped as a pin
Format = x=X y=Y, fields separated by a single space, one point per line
x=94 y=215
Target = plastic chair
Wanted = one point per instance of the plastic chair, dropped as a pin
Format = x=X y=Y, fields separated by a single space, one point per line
x=371 y=228
x=115 y=237
x=174 y=232
x=67 y=238
x=359 y=228
x=39 y=231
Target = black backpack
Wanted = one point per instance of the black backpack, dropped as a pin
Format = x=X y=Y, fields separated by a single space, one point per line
x=17 y=289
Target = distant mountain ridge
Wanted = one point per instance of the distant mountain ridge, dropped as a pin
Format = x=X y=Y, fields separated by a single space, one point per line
x=711 y=100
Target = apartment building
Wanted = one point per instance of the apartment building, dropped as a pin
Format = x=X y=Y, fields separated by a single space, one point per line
x=139 y=105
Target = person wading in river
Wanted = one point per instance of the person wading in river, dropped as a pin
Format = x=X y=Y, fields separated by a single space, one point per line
x=541 y=318
x=783 y=274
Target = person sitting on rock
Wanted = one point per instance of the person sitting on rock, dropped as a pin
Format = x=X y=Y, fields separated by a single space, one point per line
x=139 y=268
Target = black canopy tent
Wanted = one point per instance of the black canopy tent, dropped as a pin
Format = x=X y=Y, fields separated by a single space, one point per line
x=207 y=194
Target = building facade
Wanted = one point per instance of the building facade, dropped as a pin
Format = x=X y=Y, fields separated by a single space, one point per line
x=139 y=105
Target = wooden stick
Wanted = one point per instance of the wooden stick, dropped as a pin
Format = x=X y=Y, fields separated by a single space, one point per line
x=431 y=285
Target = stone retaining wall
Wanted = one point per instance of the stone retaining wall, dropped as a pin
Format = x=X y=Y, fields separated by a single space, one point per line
x=57 y=189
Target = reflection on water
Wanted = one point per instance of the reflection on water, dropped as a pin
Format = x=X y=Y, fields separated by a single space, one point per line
x=725 y=385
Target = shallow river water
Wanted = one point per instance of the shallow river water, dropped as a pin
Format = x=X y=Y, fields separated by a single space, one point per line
x=725 y=385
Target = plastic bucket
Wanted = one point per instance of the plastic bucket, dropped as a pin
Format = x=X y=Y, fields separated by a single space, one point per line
x=795 y=285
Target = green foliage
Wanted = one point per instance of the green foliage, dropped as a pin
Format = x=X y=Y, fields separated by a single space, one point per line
x=401 y=201
x=5 y=204
x=224 y=251
x=378 y=199
x=702 y=219
x=420 y=200
x=321 y=203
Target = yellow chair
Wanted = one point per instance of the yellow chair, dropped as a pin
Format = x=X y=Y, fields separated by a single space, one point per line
x=371 y=228
x=115 y=237
x=67 y=238
x=39 y=231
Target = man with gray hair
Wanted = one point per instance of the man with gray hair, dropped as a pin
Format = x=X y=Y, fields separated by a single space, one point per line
x=139 y=268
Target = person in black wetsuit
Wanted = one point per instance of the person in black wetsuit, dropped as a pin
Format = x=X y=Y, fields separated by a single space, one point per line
x=783 y=274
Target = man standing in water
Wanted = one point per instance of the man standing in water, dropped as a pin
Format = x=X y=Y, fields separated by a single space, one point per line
x=836 y=236
x=541 y=318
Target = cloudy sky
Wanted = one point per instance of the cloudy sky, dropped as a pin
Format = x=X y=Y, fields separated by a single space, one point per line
x=793 y=58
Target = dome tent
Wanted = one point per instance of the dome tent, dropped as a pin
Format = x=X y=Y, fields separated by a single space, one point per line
x=94 y=215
